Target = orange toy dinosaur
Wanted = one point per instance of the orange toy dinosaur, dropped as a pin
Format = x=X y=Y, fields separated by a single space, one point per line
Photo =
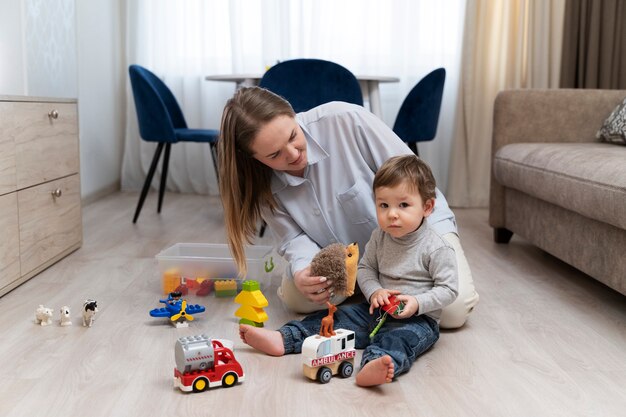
x=328 y=322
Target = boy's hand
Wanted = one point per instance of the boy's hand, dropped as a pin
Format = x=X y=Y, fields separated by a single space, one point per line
x=410 y=306
x=381 y=298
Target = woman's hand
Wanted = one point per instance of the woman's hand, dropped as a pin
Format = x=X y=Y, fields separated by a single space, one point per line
x=315 y=289
x=381 y=298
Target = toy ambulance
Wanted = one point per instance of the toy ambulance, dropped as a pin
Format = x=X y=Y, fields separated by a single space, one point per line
x=323 y=357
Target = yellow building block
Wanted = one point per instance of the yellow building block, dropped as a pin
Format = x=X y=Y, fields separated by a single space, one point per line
x=251 y=313
x=171 y=280
x=225 y=288
x=252 y=298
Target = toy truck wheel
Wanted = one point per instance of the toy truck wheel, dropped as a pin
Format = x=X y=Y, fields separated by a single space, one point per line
x=345 y=369
x=324 y=375
x=200 y=384
x=229 y=379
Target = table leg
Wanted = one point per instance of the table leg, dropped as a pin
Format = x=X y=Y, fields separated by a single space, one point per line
x=374 y=96
x=247 y=82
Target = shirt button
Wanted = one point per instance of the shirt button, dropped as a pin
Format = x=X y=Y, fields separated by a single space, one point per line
x=316 y=212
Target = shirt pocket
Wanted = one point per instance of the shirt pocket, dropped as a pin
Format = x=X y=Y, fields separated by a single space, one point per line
x=358 y=204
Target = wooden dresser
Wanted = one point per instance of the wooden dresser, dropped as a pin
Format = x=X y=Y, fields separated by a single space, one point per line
x=40 y=211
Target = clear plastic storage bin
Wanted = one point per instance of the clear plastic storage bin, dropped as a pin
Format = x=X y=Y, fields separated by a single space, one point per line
x=193 y=266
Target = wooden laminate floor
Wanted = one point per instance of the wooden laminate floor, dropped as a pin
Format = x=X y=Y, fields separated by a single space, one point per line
x=545 y=339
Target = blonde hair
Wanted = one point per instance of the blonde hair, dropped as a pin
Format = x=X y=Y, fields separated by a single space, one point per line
x=409 y=168
x=245 y=182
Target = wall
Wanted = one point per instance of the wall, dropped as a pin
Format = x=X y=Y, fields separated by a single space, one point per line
x=101 y=97
x=11 y=60
x=71 y=49
x=38 y=48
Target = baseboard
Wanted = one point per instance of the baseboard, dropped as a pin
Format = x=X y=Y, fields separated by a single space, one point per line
x=101 y=193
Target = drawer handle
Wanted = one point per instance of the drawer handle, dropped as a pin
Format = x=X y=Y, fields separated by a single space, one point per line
x=57 y=193
x=53 y=114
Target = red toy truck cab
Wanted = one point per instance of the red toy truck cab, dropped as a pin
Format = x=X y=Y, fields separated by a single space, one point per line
x=203 y=363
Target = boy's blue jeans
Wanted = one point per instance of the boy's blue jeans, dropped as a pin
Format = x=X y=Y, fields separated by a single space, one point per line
x=403 y=340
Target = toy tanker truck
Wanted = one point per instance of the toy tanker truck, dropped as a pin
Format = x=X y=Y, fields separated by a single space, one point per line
x=203 y=363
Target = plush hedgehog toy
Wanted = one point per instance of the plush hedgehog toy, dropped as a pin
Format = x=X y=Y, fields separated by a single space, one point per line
x=338 y=263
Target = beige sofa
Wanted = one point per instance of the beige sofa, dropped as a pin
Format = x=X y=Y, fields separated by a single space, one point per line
x=554 y=184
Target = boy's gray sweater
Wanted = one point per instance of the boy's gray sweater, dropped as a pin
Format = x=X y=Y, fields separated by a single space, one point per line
x=420 y=263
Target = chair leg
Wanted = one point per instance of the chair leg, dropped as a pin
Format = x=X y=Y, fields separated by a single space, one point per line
x=166 y=161
x=146 y=185
x=213 y=147
x=262 y=231
x=413 y=147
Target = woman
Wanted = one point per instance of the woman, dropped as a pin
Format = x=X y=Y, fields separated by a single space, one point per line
x=309 y=176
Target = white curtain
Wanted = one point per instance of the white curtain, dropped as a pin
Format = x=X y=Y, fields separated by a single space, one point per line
x=507 y=44
x=183 y=41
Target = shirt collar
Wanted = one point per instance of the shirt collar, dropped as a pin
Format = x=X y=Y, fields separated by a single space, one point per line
x=315 y=154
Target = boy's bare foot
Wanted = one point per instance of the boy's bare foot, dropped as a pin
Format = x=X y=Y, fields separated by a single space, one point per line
x=376 y=372
x=267 y=341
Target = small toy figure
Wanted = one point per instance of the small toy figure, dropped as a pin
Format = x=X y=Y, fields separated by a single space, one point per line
x=90 y=308
x=203 y=363
x=326 y=329
x=173 y=297
x=177 y=310
x=66 y=316
x=43 y=315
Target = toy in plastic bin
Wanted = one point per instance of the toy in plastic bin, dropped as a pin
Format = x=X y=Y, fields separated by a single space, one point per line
x=395 y=306
x=177 y=310
x=252 y=302
x=329 y=353
x=225 y=287
x=171 y=280
x=203 y=363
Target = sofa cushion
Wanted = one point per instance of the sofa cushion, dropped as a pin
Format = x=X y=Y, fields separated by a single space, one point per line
x=587 y=178
x=614 y=128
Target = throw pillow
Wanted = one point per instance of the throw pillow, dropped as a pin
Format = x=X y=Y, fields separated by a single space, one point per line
x=614 y=128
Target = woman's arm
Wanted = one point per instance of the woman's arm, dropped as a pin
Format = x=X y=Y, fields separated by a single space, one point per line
x=290 y=241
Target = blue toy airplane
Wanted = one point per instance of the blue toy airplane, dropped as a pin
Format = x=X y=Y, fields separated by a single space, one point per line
x=176 y=309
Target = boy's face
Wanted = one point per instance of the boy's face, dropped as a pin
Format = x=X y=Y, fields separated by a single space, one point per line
x=400 y=209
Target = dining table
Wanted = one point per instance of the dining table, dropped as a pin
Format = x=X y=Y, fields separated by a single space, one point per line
x=370 y=86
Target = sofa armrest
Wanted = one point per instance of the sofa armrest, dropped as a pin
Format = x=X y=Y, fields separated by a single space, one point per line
x=555 y=115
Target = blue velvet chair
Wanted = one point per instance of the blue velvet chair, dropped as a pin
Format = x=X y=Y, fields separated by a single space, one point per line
x=161 y=120
x=419 y=114
x=307 y=83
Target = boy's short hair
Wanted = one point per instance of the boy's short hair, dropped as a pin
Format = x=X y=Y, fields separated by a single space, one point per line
x=409 y=168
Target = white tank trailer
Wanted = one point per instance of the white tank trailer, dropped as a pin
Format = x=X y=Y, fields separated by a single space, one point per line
x=194 y=353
